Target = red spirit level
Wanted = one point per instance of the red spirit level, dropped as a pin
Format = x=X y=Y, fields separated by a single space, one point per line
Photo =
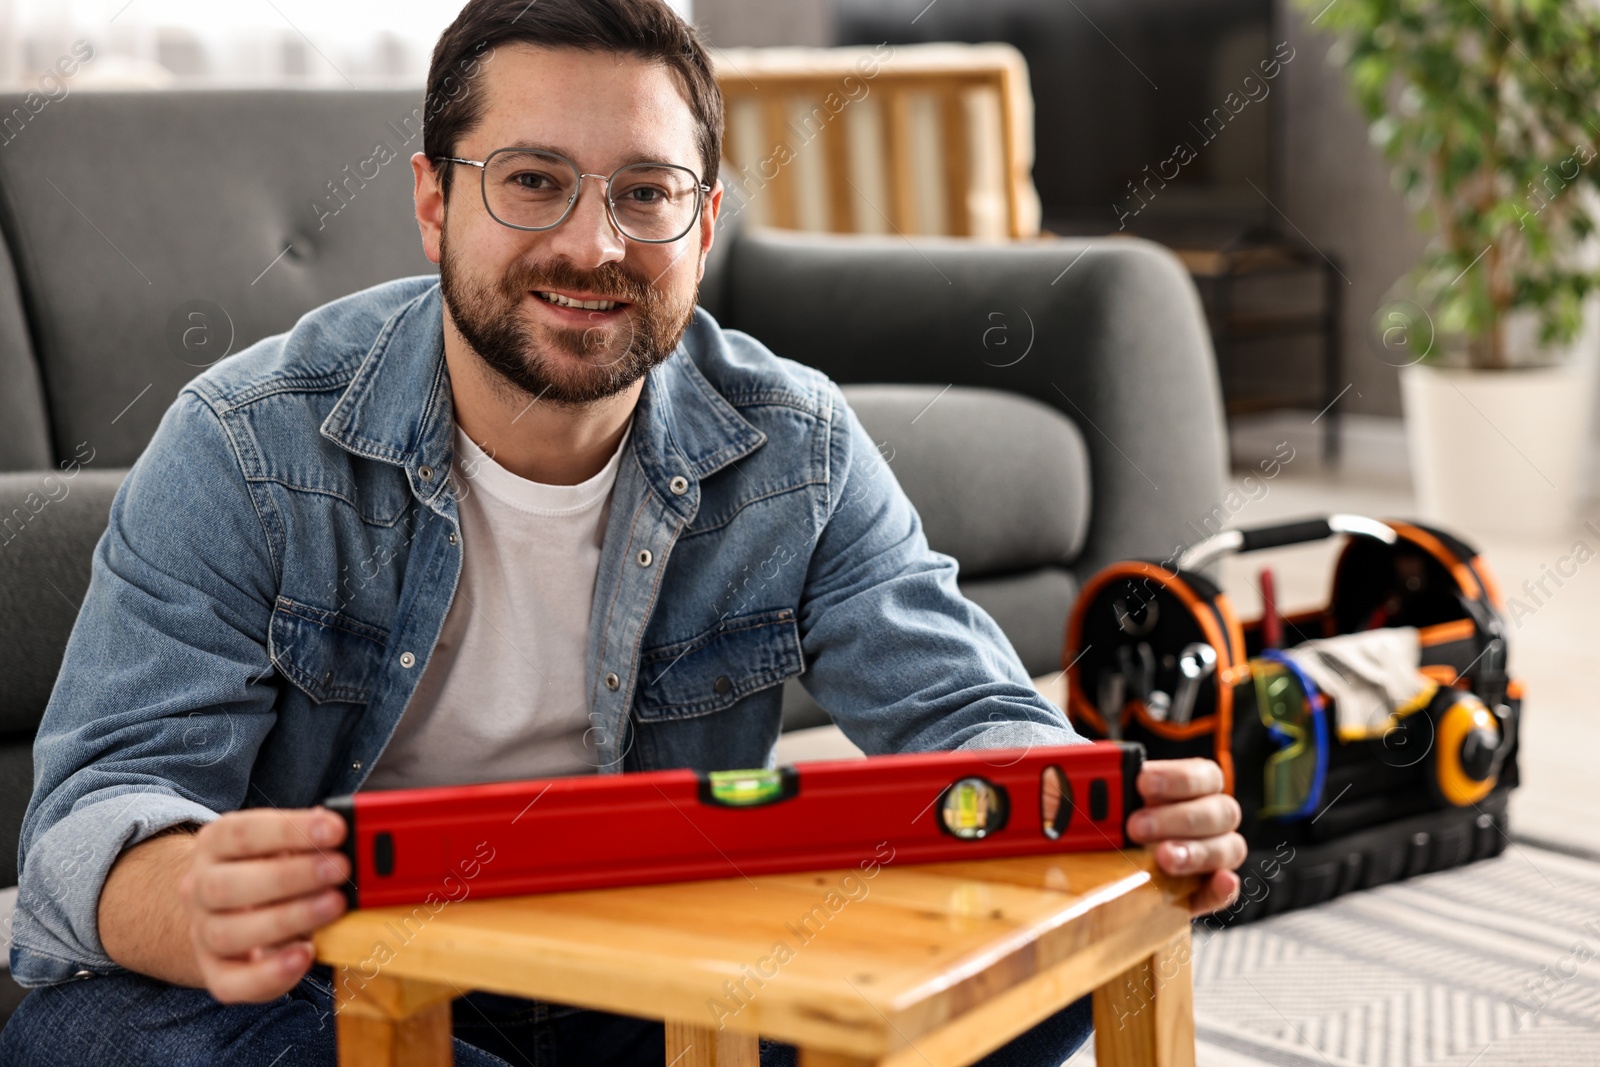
x=552 y=834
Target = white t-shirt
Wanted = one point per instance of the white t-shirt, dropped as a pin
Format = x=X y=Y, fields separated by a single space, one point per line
x=503 y=695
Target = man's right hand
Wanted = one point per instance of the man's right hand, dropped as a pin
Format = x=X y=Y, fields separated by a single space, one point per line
x=260 y=881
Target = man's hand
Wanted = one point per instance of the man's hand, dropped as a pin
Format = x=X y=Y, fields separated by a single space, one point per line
x=258 y=883
x=1189 y=822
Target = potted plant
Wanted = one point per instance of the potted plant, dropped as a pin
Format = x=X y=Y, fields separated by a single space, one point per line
x=1490 y=111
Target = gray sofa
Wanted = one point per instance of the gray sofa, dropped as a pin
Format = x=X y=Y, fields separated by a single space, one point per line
x=1048 y=407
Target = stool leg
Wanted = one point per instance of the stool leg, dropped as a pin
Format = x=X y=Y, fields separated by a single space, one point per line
x=392 y=1022
x=810 y=1057
x=704 y=1046
x=1145 y=1016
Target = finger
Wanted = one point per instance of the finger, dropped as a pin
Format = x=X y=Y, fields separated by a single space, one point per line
x=1205 y=816
x=1219 y=891
x=270 y=976
x=1222 y=853
x=232 y=934
x=1166 y=780
x=265 y=831
x=226 y=886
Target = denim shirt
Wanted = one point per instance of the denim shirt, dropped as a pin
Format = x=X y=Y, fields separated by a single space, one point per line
x=279 y=562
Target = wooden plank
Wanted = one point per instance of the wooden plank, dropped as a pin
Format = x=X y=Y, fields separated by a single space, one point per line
x=897 y=137
x=957 y=172
x=1016 y=177
x=782 y=209
x=703 y=1046
x=1145 y=1018
x=838 y=162
x=731 y=148
x=391 y=1022
x=736 y=88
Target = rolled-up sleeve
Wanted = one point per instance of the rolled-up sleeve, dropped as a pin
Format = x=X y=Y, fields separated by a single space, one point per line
x=165 y=692
x=900 y=659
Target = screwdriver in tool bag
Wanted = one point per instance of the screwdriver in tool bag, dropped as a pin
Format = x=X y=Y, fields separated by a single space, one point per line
x=1271 y=622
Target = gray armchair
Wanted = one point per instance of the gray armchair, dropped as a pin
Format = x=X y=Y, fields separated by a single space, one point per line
x=1049 y=407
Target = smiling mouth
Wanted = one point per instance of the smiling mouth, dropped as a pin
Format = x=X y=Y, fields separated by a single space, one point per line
x=579 y=305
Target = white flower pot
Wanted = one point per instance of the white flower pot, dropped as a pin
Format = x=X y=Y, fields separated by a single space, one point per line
x=1499 y=451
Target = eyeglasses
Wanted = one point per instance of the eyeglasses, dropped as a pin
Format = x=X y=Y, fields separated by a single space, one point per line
x=529 y=190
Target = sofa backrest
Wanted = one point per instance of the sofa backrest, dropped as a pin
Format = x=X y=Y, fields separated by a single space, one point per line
x=154 y=231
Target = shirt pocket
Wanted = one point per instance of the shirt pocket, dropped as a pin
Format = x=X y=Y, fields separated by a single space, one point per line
x=719 y=667
x=328 y=655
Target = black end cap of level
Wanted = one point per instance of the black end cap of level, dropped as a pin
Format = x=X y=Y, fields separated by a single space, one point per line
x=1132 y=801
x=345 y=808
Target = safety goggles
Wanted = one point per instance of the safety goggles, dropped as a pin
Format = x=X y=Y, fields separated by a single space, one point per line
x=1291 y=709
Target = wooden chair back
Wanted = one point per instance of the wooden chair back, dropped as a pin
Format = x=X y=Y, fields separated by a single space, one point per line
x=909 y=139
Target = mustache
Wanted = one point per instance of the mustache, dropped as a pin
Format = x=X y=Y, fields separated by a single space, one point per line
x=609 y=278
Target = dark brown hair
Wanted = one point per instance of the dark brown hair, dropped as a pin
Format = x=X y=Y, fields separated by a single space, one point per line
x=648 y=29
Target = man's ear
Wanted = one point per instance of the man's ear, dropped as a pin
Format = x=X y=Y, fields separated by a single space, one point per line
x=428 y=198
x=708 y=227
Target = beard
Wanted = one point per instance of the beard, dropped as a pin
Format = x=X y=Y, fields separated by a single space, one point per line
x=566 y=366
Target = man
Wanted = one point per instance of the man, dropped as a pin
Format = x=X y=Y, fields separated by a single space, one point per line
x=542 y=516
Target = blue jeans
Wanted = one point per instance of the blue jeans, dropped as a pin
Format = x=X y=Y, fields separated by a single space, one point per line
x=129 y=1020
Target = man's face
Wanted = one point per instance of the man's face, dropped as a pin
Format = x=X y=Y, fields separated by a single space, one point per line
x=600 y=110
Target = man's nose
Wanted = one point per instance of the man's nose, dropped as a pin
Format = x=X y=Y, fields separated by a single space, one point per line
x=587 y=236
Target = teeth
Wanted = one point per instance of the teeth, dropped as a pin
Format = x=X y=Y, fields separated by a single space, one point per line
x=587 y=305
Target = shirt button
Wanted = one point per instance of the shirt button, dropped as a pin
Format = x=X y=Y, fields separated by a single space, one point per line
x=612 y=681
x=452 y=537
x=424 y=472
x=356 y=766
x=679 y=485
x=407 y=660
x=722 y=684
x=84 y=974
x=645 y=557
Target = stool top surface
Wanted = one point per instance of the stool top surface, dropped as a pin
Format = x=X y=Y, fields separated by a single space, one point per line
x=864 y=960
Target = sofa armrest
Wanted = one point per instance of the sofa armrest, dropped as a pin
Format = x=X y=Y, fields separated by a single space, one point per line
x=50 y=522
x=1109 y=331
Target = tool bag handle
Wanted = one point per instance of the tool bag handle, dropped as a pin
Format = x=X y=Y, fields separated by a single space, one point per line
x=1303 y=531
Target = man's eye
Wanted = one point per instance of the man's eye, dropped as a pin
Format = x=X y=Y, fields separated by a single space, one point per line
x=645 y=194
x=532 y=181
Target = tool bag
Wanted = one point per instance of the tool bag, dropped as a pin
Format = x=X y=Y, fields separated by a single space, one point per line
x=1332 y=801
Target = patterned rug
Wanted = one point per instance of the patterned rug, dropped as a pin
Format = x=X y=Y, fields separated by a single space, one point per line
x=1491 y=965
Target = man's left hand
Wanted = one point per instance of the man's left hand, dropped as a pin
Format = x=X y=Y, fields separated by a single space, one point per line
x=1190 y=823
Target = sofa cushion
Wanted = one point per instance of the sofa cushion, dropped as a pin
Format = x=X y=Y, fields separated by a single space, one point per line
x=1001 y=481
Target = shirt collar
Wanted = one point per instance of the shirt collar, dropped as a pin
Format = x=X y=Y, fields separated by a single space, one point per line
x=398 y=409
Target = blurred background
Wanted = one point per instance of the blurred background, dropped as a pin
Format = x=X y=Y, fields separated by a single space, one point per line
x=1226 y=131
x=1114 y=85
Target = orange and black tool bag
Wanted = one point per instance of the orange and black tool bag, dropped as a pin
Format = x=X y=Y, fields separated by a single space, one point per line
x=1334 y=797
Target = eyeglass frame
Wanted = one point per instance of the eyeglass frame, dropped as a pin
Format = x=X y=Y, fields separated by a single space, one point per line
x=700 y=191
